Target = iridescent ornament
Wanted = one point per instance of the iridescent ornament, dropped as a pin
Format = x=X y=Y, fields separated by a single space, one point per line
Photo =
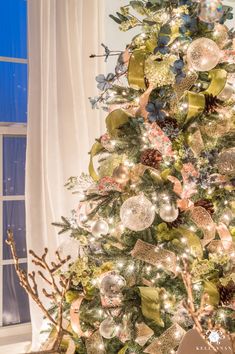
x=203 y=54
x=137 y=213
x=226 y=162
x=121 y=174
x=108 y=328
x=99 y=228
x=210 y=10
x=168 y=212
x=112 y=285
x=226 y=93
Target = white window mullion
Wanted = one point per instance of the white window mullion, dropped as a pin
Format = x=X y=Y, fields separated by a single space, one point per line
x=1 y=229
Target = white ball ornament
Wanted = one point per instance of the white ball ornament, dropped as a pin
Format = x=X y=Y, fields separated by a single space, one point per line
x=100 y=228
x=203 y=54
x=108 y=328
x=137 y=213
x=112 y=285
x=168 y=212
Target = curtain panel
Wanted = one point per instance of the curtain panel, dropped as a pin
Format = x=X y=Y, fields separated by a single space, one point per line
x=61 y=125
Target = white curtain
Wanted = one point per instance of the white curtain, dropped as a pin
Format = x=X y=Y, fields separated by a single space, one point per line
x=61 y=124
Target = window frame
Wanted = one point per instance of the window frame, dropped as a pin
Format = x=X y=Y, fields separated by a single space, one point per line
x=21 y=332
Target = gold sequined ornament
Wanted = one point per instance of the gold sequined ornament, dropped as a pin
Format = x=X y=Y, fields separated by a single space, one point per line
x=186 y=83
x=158 y=70
x=220 y=35
x=226 y=162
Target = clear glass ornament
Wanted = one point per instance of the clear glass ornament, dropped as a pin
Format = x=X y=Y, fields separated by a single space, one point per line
x=226 y=162
x=203 y=54
x=112 y=285
x=137 y=213
x=109 y=329
x=168 y=212
x=210 y=11
x=100 y=227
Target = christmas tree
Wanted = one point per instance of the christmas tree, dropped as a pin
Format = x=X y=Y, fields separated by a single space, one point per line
x=152 y=267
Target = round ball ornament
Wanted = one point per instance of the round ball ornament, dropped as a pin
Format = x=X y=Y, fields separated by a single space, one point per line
x=99 y=228
x=210 y=10
x=203 y=54
x=112 y=285
x=137 y=213
x=226 y=162
x=220 y=35
x=108 y=328
x=121 y=174
x=226 y=93
x=168 y=212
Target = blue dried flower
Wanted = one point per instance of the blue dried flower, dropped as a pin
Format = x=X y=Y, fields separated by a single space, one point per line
x=104 y=83
x=185 y=2
x=155 y=110
x=177 y=69
x=189 y=24
x=162 y=45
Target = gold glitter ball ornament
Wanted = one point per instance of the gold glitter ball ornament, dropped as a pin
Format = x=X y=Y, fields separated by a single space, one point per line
x=158 y=70
x=226 y=162
x=203 y=54
x=137 y=213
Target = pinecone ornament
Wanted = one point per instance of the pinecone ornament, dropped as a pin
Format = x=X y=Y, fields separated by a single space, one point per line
x=151 y=157
x=211 y=104
x=178 y=222
x=227 y=293
x=206 y=204
x=170 y=127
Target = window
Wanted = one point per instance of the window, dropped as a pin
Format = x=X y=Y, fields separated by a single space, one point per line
x=14 y=303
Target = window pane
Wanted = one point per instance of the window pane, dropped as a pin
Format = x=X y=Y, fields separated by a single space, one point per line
x=15 y=299
x=14 y=219
x=13 y=92
x=13 y=28
x=14 y=150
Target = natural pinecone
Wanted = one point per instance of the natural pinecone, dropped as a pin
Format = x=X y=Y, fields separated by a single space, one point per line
x=168 y=122
x=227 y=293
x=178 y=222
x=151 y=157
x=206 y=204
x=212 y=102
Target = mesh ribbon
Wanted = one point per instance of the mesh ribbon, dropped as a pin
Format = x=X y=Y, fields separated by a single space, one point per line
x=169 y=340
x=143 y=333
x=153 y=255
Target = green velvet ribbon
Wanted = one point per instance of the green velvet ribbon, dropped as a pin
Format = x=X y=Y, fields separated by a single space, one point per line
x=136 y=70
x=193 y=242
x=95 y=150
x=213 y=294
x=150 y=304
x=196 y=101
x=113 y=121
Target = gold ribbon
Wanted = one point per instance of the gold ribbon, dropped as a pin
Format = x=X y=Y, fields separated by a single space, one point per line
x=210 y=289
x=75 y=318
x=196 y=142
x=156 y=256
x=203 y=220
x=96 y=148
x=143 y=333
x=123 y=350
x=196 y=104
x=136 y=70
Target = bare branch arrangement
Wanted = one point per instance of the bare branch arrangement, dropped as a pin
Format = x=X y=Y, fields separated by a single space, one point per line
x=59 y=285
x=204 y=309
